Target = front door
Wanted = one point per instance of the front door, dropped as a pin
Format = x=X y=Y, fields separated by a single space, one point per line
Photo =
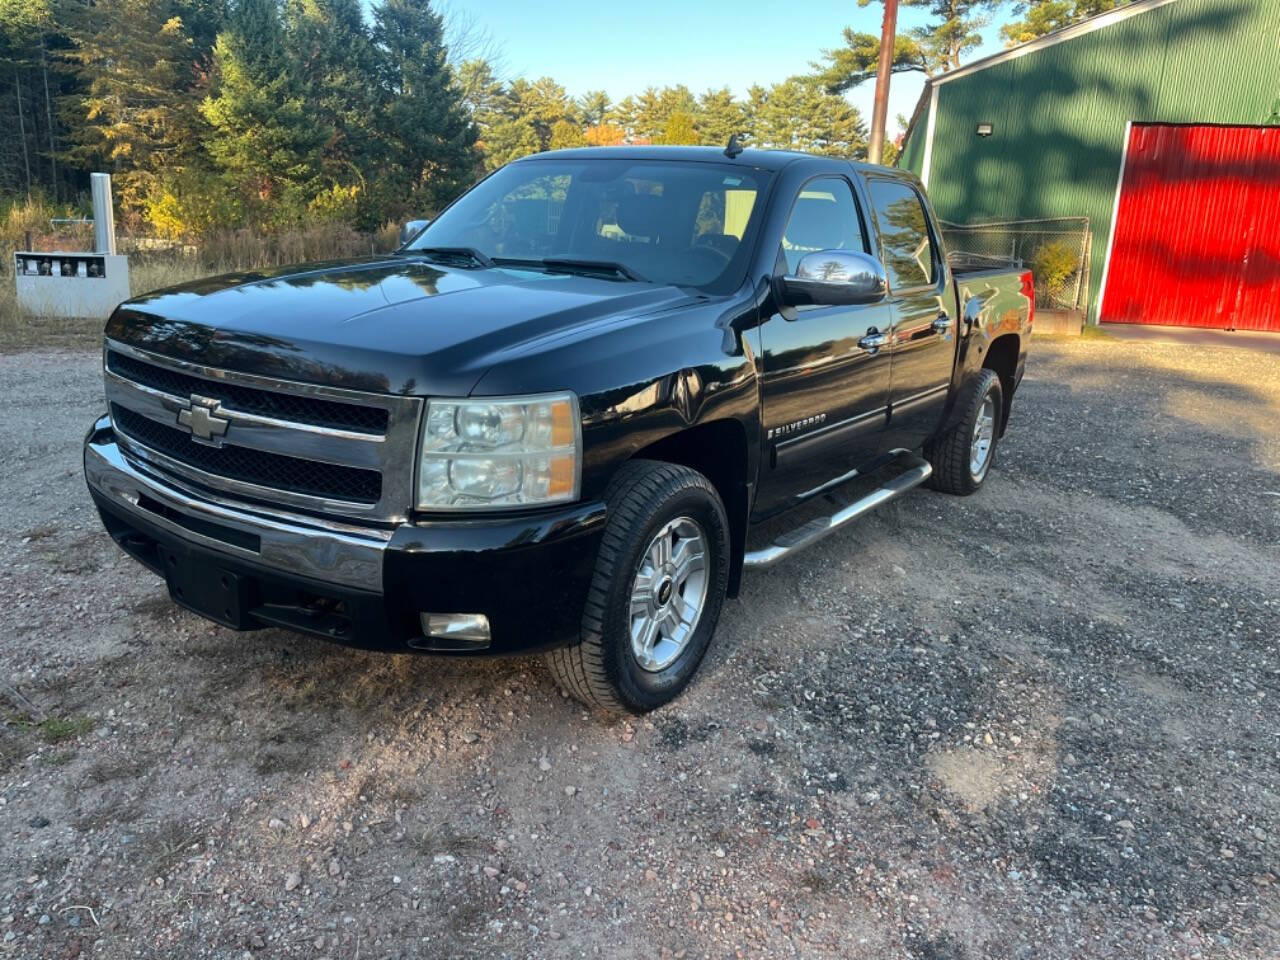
x=924 y=332
x=825 y=396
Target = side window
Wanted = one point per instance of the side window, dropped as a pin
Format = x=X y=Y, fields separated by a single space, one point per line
x=909 y=257
x=824 y=218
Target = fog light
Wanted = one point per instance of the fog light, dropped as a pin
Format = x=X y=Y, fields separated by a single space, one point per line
x=461 y=631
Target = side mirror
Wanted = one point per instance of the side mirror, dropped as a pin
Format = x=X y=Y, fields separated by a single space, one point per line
x=834 y=277
x=410 y=229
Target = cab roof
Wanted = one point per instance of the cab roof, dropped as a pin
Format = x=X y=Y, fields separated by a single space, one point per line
x=772 y=160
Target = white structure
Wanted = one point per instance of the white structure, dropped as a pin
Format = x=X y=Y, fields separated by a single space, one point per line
x=74 y=283
x=71 y=284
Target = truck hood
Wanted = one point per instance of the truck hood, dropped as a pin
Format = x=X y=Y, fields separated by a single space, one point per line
x=396 y=324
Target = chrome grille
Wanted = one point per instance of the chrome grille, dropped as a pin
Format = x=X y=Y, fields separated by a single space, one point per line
x=284 y=406
x=252 y=466
x=327 y=449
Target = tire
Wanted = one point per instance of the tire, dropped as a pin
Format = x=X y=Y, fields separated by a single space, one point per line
x=953 y=454
x=650 y=504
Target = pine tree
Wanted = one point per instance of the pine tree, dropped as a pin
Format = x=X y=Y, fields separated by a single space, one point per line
x=24 y=74
x=565 y=134
x=134 y=60
x=719 y=117
x=264 y=136
x=543 y=103
x=752 y=113
x=678 y=129
x=937 y=46
x=1044 y=16
x=330 y=49
x=625 y=114
x=593 y=107
x=425 y=125
x=798 y=114
x=509 y=140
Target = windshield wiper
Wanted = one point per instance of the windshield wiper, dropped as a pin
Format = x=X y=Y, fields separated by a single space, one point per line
x=574 y=265
x=469 y=253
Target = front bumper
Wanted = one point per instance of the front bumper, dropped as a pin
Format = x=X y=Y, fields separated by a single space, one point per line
x=361 y=586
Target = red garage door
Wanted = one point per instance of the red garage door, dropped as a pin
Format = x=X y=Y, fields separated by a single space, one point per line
x=1196 y=239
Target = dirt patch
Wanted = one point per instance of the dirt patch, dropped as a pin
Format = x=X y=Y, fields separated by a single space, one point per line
x=1035 y=723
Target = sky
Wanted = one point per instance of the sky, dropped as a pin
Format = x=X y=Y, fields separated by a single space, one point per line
x=624 y=47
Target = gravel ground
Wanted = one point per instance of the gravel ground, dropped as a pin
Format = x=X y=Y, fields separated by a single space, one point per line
x=1039 y=722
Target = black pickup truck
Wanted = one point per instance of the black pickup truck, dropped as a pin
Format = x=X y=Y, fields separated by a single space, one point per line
x=560 y=416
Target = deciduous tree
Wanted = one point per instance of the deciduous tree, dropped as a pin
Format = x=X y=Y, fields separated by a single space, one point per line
x=134 y=60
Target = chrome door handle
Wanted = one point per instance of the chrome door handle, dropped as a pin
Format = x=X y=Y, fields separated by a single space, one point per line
x=873 y=341
x=943 y=323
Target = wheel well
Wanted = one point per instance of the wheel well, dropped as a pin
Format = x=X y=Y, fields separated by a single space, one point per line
x=717 y=450
x=1002 y=357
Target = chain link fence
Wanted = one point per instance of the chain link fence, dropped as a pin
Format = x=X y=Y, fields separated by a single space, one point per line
x=1056 y=250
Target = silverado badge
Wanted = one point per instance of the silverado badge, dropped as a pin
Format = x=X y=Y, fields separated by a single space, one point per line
x=200 y=416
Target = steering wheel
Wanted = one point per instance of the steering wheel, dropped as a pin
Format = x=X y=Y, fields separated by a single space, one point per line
x=702 y=246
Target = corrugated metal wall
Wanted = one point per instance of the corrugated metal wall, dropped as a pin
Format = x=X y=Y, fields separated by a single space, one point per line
x=1060 y=113
x=1197 y=237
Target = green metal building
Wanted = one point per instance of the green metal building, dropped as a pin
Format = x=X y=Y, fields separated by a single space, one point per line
x=1039 y=130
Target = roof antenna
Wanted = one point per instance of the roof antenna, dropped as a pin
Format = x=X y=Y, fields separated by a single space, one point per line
x=733 y=147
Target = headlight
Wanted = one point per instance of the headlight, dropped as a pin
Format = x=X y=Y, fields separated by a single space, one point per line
x=500 y=452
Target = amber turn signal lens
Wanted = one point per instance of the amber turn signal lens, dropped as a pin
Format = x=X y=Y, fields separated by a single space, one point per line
x=563 y=475
x=562 y=432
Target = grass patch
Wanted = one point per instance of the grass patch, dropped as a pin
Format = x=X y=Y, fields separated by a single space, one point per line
x=1095 y=331
x=57 y=729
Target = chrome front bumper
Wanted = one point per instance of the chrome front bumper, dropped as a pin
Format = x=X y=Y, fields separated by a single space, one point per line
x=290 y=543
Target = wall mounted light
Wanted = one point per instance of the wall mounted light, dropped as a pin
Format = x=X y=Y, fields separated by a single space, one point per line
x=985 y=129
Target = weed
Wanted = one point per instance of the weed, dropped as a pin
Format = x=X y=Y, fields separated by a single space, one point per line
x=58 y=729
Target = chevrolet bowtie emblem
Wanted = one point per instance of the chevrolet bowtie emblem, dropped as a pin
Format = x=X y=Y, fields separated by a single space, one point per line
x=200 y=416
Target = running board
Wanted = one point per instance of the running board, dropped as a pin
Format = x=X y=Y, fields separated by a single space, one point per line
x=918 y=472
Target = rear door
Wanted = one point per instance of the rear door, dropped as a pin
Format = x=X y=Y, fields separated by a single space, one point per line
x=825 y=396
x=923 y=342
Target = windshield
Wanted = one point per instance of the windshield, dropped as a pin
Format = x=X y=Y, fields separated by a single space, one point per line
x=684 y=223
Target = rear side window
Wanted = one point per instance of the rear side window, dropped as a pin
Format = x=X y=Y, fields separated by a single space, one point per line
x=909 y=257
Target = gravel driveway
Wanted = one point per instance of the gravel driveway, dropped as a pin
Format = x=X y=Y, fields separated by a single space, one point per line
x=1037 y=723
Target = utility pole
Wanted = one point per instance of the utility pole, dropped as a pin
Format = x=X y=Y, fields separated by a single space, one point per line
x=880 y=109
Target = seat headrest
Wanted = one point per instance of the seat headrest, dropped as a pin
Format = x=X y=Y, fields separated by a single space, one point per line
x=815 y=225
x=640 y=215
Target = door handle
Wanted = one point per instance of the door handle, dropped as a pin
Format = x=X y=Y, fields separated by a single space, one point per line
x=942 y=323
x=873 y=341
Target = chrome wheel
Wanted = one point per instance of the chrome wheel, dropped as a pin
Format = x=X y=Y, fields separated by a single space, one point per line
x=984 y=432
x=668 y=593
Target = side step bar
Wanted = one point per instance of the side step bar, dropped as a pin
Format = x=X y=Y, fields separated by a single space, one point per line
x=917 y=472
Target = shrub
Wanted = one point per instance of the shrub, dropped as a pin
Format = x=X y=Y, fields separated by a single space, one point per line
x=191 y=204
x=1053 y=265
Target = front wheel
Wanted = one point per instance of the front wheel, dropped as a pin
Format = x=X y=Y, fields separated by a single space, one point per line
x=659 y=585
x=961 y=457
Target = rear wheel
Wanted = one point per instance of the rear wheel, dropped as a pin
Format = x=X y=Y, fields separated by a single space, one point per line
x=961 y=457
x=657 y=592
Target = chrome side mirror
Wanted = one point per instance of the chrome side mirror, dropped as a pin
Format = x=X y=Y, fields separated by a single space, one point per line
x=833 y=277
x=410 y=229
